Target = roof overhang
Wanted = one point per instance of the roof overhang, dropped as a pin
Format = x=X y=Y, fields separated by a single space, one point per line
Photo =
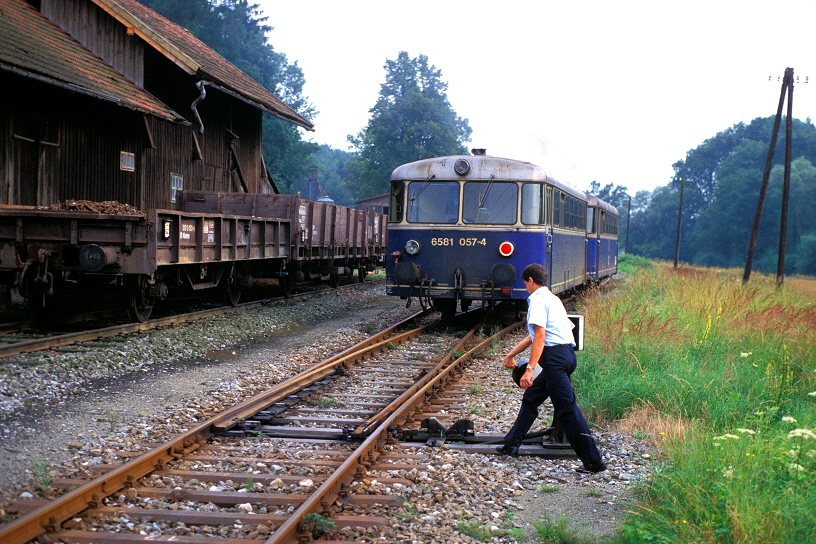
x=137 y=27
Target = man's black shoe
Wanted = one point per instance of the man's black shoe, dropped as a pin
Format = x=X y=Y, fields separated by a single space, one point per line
x=507 y=449
x=593 y=468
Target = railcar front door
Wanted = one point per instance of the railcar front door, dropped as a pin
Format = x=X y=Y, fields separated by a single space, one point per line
x=549 y=257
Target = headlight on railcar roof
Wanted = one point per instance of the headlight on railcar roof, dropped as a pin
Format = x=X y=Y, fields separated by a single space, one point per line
x=412 y=247
x=506 y=249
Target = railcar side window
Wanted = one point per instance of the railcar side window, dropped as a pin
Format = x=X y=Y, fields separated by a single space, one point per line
x=433 y=202
x=490 y=203
x=533 y=207
x=612 y=225
x=609 y=223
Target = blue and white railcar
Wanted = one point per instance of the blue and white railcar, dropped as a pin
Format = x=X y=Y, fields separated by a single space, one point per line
x=462 y=228
x=602 y=239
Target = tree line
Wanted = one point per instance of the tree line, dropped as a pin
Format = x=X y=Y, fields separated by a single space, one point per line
x=412 y=119
x=722 y=182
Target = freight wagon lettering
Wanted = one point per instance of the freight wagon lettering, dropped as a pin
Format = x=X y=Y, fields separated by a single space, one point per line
x=209 y=231
x=302 y=217
x=187 y=231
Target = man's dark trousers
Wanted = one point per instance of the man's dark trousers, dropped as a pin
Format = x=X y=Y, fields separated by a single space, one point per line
x=557 y=364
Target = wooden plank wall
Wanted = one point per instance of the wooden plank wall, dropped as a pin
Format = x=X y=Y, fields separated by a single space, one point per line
x=100 y=33
x=58 y=145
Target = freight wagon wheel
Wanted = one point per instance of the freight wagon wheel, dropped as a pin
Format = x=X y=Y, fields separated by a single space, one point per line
x=141 y=303
x=334 y=281
x=232 y=293
x=287 y=285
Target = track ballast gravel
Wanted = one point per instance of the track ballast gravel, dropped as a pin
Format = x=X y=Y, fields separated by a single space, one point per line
x=73 y=410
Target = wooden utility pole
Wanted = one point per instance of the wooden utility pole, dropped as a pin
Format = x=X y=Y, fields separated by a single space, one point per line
x=787 y=82
x=679 y=222
x=628 y=216
x=783 y=226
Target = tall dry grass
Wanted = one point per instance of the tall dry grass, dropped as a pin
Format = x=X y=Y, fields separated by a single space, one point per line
x=719 y=374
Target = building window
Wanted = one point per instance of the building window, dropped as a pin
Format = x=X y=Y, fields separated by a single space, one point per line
x=176 y=185
x=127 y=161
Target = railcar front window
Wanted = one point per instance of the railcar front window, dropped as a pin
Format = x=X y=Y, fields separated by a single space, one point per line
x=533 y=204
x=433 y=202
x=395 y=214
x=489 y=203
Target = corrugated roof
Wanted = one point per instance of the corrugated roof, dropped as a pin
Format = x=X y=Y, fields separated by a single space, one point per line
x=32 y=46
x=191 y=54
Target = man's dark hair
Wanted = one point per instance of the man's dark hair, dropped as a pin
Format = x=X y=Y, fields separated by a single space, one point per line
x=537 y=272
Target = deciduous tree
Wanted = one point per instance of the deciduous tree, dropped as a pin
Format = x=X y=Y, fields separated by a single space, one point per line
x=411 y=120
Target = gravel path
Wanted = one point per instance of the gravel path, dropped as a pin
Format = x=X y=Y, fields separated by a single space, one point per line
x=147 y=388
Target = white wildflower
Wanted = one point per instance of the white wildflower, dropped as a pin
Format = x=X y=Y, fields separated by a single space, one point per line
x=729 y=472
x=812 y=394
x=796 y=467
x=745 y=354
x=746 y=431
x=726 y=435
x=788 y=419
x=802 y=433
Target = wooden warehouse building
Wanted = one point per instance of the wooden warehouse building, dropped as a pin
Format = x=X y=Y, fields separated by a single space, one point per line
x=108 y=100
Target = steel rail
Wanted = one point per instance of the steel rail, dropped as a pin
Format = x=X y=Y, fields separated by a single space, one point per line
x=39 y=344
x=294 y=528
x=346 y=359
x=47 y=519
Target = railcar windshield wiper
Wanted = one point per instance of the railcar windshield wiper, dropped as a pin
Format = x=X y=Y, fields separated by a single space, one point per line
x=483 y=198
x=419 y=191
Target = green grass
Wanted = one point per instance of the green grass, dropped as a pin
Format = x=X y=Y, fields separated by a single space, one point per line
x=42 y=477
x=722 y=377
x=557 y=532
x=318 y=524
x=474 y=529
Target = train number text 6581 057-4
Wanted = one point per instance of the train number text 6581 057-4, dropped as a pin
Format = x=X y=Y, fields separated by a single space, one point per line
x=462 y=242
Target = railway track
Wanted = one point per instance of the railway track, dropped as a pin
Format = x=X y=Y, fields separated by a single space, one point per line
x=327 y=448
x=22 y=338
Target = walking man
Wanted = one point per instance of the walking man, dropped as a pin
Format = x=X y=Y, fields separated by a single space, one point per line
x=552 y=346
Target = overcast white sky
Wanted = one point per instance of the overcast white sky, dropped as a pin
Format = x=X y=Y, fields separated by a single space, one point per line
x=613 y=91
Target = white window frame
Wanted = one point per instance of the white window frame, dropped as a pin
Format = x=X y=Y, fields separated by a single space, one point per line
x=176 y=185
x=127 y=161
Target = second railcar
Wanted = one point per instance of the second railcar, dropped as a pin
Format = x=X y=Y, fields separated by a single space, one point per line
x=602 y=239
x=462 y=228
